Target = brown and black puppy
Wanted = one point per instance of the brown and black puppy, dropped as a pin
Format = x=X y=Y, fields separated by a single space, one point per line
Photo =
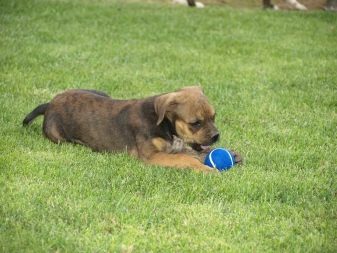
x=154 y=129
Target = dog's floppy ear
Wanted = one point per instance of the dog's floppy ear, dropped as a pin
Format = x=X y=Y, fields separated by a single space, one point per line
x=164 y=104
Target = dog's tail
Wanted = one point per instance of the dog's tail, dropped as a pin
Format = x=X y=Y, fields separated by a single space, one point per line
x=40 y=110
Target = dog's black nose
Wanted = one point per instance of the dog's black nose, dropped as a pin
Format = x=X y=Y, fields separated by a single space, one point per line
x=215 y=137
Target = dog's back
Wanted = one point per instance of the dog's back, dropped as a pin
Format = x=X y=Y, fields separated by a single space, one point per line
x=86 y=117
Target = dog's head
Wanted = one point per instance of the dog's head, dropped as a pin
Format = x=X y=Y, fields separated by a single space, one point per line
x=191 y=115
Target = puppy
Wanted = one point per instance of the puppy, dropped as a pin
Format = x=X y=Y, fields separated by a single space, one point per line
x=172 y=129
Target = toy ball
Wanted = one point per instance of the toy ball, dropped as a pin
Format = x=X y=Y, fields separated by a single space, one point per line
x=220 y=159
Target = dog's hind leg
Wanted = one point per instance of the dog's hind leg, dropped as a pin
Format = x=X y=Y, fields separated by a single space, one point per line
x=53 y=130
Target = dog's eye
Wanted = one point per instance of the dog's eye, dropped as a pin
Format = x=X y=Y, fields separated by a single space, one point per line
x=196 y=123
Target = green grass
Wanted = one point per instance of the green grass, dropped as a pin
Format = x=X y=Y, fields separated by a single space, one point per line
x=272 y=79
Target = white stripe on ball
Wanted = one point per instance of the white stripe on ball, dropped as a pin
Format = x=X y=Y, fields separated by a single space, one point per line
x=230 y=156
x=211 y=159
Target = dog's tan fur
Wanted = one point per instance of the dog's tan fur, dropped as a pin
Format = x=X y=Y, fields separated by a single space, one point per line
x=159 y=129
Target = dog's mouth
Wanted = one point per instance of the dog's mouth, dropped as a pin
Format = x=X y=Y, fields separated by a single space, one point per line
x=205 y=147
x=199 y=147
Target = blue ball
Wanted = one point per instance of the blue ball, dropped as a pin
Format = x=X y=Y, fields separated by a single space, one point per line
x=220 y=159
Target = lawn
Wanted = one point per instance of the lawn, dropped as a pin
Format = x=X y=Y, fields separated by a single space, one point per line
x=271 y=77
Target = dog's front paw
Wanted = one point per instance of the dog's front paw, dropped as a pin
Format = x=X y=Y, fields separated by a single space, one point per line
x=237 y=157
x=177 y=145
